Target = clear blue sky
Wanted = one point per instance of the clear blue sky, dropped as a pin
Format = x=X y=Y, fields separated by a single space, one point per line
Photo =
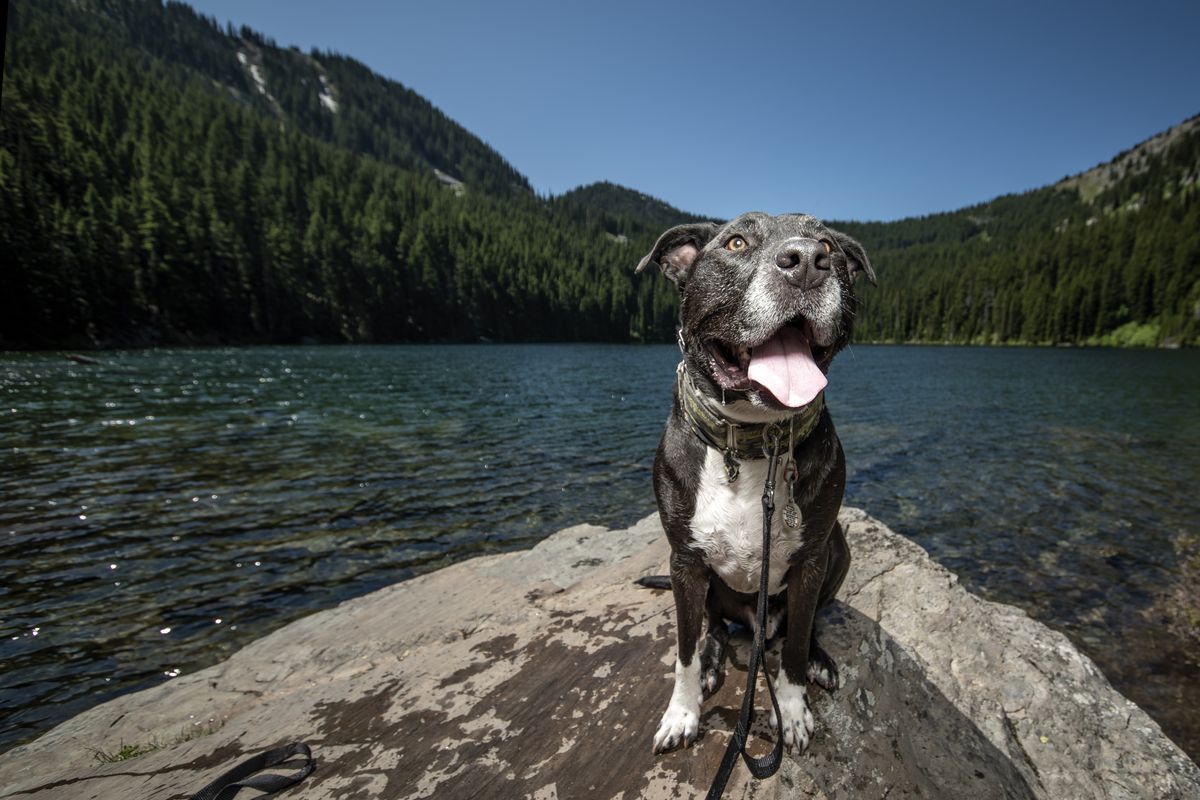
x=847 y=110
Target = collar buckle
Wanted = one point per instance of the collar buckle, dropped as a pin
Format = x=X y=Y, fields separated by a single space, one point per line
x=772 y=439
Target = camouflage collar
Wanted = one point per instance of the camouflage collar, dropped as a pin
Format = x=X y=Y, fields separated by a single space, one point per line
x=739 y=441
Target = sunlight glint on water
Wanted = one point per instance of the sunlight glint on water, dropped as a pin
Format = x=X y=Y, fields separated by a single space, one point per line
x=166 y=507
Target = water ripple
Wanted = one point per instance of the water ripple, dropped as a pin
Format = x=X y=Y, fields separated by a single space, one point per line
x=216 y=494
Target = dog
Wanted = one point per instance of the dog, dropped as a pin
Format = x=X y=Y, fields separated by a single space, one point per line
x=765 y=305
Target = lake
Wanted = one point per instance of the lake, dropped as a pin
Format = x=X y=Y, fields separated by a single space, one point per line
x=163 y=508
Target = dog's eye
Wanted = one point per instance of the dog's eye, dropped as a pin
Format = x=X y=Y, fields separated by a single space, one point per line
x=828 y=246
x=735 y=244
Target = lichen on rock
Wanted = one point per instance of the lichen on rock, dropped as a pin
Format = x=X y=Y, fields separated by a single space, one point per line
x=542 y=674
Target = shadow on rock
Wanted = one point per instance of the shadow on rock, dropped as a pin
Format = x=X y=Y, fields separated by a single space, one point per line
x=574 y=717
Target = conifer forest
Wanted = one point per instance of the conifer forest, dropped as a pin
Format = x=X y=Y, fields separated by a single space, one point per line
x=166 y=180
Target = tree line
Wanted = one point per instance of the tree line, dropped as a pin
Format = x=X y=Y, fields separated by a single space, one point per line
x=1046 y=267
x=152 y=192
x=142 y=204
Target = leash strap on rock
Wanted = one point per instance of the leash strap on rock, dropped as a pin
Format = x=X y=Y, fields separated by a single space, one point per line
x=768 y=765
x=238 y=778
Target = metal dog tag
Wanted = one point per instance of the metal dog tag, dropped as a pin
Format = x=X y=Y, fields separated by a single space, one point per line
x=791 y=515
x=731 y=464
x=732 y=468
x=791 y=511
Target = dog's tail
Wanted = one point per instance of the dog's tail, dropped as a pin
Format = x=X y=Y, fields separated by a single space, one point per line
x=654 y=581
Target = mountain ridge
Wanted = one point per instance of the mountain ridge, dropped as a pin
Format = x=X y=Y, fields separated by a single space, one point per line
x=1087 y=183
x=166 y=180
x=1091 y=182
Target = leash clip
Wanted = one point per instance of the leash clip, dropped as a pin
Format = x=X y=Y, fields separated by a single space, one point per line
x=772 y=440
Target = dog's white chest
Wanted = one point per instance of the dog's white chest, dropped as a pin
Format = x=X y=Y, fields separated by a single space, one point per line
x=727 y=525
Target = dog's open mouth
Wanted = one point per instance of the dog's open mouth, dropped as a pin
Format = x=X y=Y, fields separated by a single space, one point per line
x=784 y=365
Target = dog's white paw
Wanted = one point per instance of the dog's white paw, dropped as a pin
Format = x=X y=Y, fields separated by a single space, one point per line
x=797 y=727
x=679 y=726
x=681 y=721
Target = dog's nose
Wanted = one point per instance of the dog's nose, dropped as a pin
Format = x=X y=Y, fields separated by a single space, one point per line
x=799 y=260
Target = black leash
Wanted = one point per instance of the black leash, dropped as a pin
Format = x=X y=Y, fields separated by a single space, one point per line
x=238 y=778
x=768 y=765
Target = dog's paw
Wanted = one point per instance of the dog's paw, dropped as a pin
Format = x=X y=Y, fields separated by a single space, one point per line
x=712 y=659
x=797 y=727
x=679 y=726
x=822 y=670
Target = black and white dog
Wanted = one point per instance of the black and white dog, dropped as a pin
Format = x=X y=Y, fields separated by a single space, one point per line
x=765 y=304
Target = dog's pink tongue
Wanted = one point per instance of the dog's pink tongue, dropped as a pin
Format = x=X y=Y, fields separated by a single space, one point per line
x=784 y=366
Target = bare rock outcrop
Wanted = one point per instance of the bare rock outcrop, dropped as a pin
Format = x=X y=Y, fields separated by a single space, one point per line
x=543 y=673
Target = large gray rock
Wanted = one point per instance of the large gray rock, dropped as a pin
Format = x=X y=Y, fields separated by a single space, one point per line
x=543 y=673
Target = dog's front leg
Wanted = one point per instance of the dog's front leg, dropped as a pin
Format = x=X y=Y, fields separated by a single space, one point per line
x=681 y=721
x=804 y=581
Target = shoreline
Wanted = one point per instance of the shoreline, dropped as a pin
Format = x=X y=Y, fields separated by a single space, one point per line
x=69 y=350
x=544 y=670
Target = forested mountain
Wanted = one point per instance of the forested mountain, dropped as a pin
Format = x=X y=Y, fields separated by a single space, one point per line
x=1111 y=256
x=162 y=180
x=166 y=180
x=621 y=203
x=330 y=97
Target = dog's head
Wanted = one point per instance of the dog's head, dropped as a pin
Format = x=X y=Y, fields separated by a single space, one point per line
x=765 y=303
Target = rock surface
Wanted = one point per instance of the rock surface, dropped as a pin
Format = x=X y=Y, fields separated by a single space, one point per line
x=543 y=673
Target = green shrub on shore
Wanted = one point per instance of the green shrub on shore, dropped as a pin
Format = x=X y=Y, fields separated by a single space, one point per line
x=1131 y=334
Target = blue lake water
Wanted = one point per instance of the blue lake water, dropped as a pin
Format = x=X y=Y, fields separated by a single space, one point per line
x=163 y=508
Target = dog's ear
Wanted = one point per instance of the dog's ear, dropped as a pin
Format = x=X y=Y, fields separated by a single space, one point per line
x=856 y=257
x=677 y=249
